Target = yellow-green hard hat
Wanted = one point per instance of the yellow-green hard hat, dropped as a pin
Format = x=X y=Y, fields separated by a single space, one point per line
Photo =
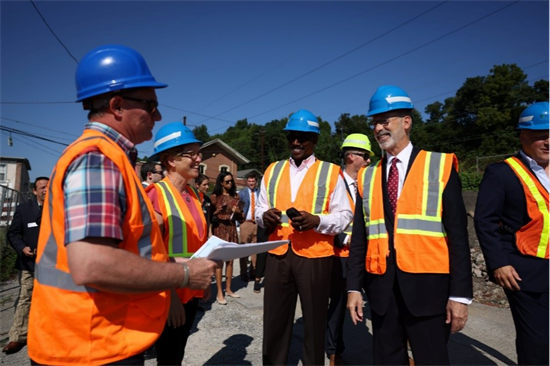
x=357 y=141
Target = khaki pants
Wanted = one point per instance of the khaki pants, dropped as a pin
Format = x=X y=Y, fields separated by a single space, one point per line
x=249 y=232
x=18 y=331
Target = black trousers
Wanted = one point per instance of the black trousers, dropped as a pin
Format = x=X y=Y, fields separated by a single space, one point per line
x=530 y=314
x=334 y=337
x=427 y=335
x=287 y=277
x=171 y=344
x=136 y=360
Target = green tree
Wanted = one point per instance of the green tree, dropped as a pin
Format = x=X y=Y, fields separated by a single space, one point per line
x=201 y=133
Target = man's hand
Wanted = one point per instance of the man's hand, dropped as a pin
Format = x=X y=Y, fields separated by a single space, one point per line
x=272 y=218
x=201 y=271
x=355 y=307
x=28 y=252
x=176 y=316
x=507 y=277
x=305 y=221
x=457 y=315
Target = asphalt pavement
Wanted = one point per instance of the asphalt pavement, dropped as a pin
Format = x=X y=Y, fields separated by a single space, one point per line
x=232 y=334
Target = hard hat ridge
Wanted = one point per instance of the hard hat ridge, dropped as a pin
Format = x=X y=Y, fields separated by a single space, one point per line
x=303 y=121
x=534 y=117
x=388 y=98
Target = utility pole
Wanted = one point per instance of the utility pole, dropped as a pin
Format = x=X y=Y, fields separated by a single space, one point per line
x=185 y=120
x=262 y=149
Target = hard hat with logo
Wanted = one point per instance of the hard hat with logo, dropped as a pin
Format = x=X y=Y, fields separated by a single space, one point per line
x=110 y=68
x=388 y=98
x=534 y=117
x=172 y=135
x=303 y=121
x=357 y=141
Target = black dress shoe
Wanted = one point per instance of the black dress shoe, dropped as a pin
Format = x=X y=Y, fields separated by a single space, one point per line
x=257 y=288
x=13 y=347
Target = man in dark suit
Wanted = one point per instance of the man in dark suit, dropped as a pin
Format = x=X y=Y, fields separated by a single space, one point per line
x=511 y=221
x=23 y=237
x=410 y=251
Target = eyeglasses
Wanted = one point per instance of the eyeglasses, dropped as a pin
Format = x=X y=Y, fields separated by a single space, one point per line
x=228 y=181
x=151 y=105
x=365 y=156
x=383 y=121
x=300 y=136
x=157 y=172
x=190 y=154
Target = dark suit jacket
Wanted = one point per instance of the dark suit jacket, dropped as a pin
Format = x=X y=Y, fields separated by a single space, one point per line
x=501 y=210
x=423 y=294
x=23 y=232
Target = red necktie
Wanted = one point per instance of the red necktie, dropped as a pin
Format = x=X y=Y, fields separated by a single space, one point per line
x=393 y=184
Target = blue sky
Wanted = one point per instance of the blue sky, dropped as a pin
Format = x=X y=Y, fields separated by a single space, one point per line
x=226 y=61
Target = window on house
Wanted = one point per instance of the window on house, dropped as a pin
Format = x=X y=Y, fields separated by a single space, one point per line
x=3 y=172
x=202 y=168
x=224 y=168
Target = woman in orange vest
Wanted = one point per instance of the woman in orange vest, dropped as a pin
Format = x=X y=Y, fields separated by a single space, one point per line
x=227 y=210
x=178 y=209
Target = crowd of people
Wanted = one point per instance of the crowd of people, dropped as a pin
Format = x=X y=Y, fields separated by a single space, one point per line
x=106 y=255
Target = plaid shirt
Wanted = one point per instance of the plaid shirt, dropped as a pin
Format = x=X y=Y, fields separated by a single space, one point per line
x=95 y=198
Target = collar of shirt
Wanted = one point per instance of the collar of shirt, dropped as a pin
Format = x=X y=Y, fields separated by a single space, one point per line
x=349 y=180
x=126 y=145
x=306 y=163
x=404 y=156
x=538 y=170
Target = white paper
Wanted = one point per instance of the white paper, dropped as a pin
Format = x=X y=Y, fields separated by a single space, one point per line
x=221 y=250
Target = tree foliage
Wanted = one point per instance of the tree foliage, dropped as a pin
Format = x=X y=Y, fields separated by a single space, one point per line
x=477 y=122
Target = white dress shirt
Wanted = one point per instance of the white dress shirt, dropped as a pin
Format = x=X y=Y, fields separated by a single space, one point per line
x=340 y=213
x=538 y=170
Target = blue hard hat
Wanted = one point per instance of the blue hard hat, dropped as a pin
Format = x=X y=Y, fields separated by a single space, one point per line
x=172 y=135
x=303 y=121
x=388 y=98
x=112 y=67
x=534 y=117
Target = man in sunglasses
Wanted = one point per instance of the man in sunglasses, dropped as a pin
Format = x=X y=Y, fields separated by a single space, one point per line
x=356 y=154
x=303 y=200
x=409 y=245
x=101 y=293
x=151 y=172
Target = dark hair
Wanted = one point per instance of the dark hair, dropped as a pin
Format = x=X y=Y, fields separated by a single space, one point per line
x=201 y=178
x=218 y=189
x=251 y=175
x=40 y=178
x=150 y=166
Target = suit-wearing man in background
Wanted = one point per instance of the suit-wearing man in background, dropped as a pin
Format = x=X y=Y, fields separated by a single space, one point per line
x=511 y=221
x=151 y=172
x=302 y=268
x=23 y=237
x=356 y=153
x=249 y=228
x=409 y=246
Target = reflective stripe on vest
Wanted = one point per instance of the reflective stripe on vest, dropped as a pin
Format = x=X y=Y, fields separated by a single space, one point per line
x=376 y=229
x=531 y=187
x=46 y=272
x=429 y=222
x=320 y=195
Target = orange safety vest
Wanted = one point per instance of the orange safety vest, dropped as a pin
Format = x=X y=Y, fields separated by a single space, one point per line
x=183 y=236
x=313 y=196
x=71 y=324
x=532 y=239
x=420 y=241
x=344 y=251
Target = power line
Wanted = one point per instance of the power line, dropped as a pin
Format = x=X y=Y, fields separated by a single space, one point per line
x=333 y=60
x=390 y=60
x=44 y=128
x=58 y=153
x=27 y=134
x=51 y=30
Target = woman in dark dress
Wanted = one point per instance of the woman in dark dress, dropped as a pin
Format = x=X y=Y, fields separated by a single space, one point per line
x=227 y=211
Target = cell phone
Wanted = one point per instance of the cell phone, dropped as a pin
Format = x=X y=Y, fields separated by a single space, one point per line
x=292 y=213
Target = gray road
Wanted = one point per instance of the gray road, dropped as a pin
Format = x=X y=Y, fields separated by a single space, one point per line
x=232 y=334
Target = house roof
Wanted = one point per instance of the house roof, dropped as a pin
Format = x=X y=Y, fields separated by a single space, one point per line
x=16 y=160
x=243 y=173
x=234 y=153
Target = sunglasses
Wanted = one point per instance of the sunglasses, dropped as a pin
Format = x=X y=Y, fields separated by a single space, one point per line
x=300 y=136
x=228 y=181
x=151 y=105
x=157 y=172
x=190 y=154
x=365 y=156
